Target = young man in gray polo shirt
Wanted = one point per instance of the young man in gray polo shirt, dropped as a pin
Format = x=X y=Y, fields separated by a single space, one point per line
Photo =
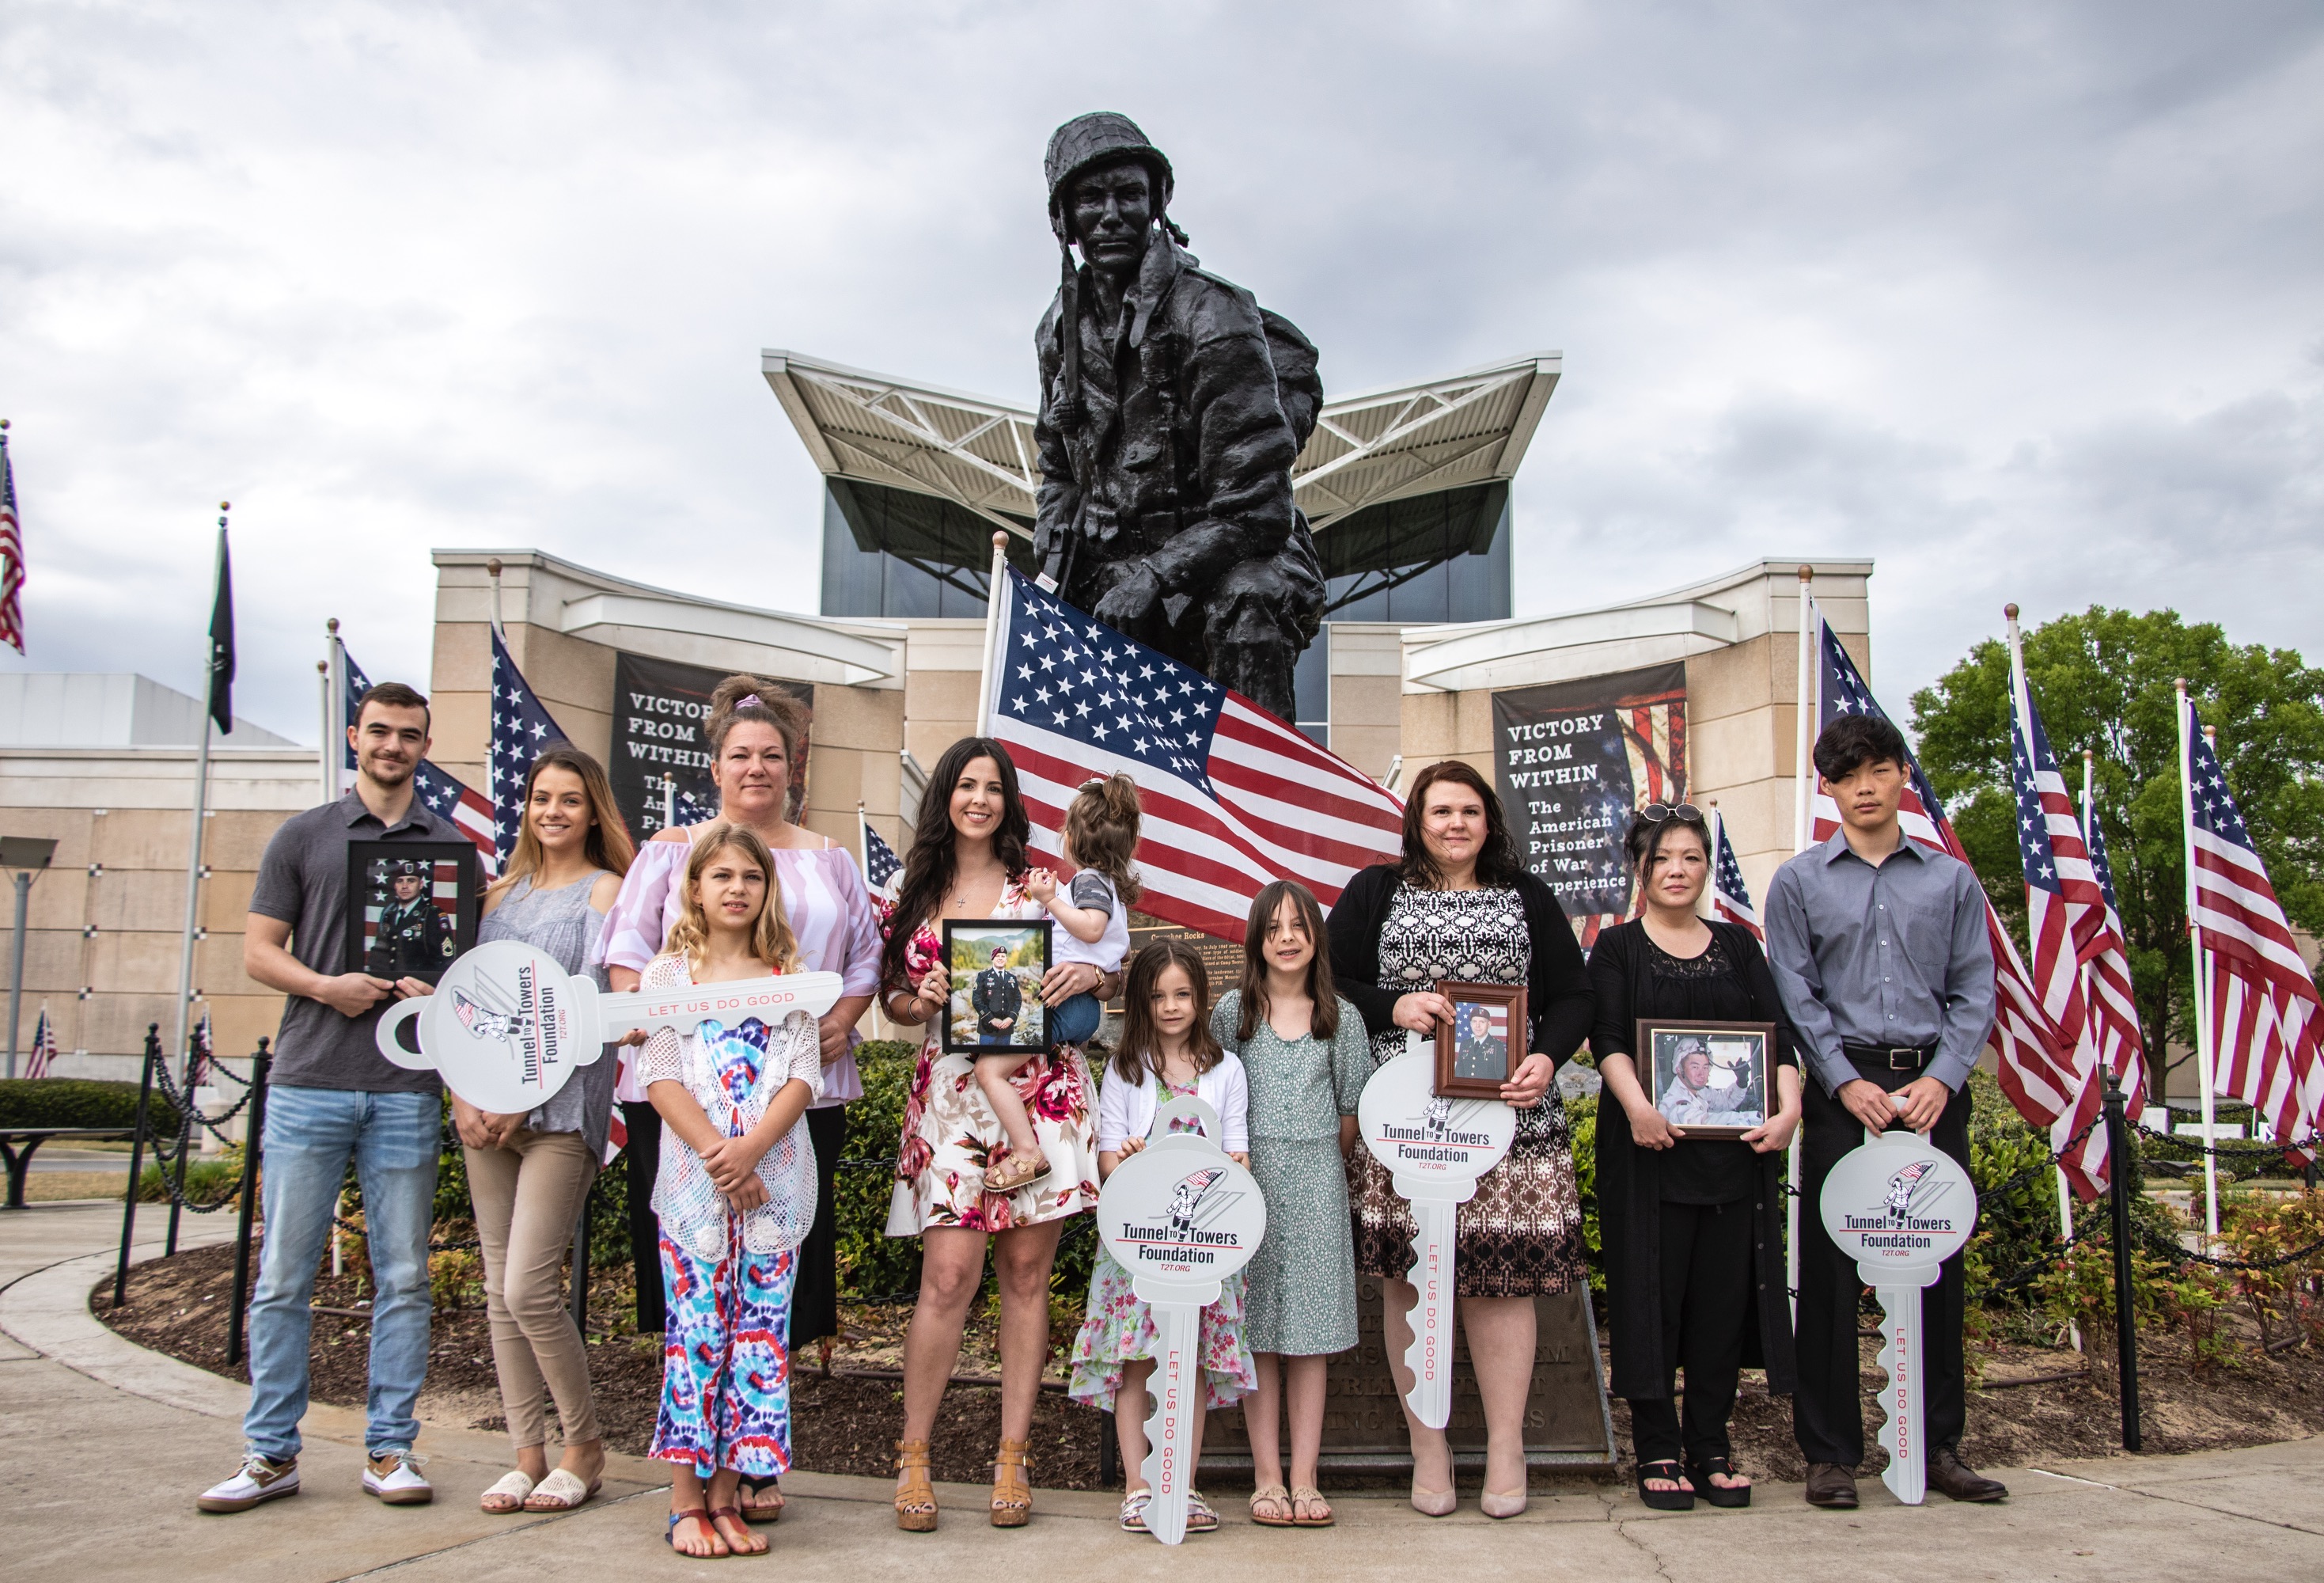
x=1879 y=951
x=333 y=1098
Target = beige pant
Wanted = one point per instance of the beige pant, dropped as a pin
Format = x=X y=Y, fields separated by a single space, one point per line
x=528 y=1195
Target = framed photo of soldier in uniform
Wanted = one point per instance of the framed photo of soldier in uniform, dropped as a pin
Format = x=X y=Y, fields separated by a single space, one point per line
x=995 y=1006
x=413 y=906
x=1484 y=1041
x=1709 y=1080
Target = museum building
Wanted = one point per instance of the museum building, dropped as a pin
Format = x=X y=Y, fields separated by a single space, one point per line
x=1407 y=491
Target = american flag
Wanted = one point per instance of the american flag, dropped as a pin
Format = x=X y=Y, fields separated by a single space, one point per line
x=2065 y=911
x=44 y=1045
x=445 y=796
x=2267 y=1032
x=520 y=729
x=883 y=872
x=1729 y=898
x=12 y=554
x=199 y=1057
x=2121 y=1044
x=1233 y=797
x=2036 y=1068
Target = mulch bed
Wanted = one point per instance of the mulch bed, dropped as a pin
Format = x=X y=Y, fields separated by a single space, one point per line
x=846 y=1420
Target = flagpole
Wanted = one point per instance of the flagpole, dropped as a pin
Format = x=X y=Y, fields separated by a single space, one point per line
x=2202 y=990
x=989 y=683
x=335 y=713
x=1803 y=802
x=201 y=802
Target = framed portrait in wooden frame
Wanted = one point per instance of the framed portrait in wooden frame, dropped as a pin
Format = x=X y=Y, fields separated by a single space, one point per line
x=997 y=965
x=413 y=906
x=1483 y=1043
x=1710 y=1079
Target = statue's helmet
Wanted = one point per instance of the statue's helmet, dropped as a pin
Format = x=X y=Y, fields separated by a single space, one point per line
x=1099 y=138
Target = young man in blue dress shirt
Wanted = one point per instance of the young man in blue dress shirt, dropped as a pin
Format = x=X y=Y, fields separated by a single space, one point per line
x=1879 y=950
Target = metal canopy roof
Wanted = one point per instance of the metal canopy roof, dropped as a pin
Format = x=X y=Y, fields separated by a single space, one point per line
x=1386 y=445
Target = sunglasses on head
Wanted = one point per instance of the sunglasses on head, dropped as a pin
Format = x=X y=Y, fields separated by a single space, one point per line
x=1686 y=813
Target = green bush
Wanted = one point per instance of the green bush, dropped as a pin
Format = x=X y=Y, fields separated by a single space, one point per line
x=1582 y=1118
x=2019 y=1226
x=207 y=1181
x=871 y=1263
x=79 y=1102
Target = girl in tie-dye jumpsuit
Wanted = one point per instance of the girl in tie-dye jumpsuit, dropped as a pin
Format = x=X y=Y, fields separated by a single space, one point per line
x=732 y=1101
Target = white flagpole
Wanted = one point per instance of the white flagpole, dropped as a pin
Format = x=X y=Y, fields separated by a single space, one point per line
x=201 y=805
x=988 y=684
x=1803 y=827
x=2203 y=1053
x=335 y=713
x=668 y=800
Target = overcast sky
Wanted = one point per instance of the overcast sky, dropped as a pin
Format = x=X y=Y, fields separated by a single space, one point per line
x=2023 y=301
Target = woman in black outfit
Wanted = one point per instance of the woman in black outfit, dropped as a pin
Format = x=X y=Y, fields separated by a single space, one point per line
x=1462 y=906
x=1692 y=1228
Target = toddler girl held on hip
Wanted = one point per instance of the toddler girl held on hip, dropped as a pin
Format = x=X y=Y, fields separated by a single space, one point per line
x=736 y=1195
x=1166 y=1052
x=1100 y=836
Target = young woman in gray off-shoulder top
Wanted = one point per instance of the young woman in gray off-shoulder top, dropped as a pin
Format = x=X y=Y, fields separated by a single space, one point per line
x=1305 y=1059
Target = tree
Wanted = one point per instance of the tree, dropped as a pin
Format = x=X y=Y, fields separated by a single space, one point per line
x=2102 y=680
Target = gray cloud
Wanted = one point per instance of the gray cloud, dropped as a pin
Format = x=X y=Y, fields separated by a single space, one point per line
x=2019 y=301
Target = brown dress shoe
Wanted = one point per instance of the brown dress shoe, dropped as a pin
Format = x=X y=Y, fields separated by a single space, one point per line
x=1831 y=1487
x=1957 y=1479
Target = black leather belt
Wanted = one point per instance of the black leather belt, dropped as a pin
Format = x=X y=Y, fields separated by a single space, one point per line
x=1890 y=1058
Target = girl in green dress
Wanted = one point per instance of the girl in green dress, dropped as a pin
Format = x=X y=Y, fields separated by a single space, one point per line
x=1305 y=1060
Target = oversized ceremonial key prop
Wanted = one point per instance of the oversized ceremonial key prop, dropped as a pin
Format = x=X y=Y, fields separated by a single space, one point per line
x=507 y=1026
x=1435 y=1149
x=1900 y=1208
x=1180 y=1217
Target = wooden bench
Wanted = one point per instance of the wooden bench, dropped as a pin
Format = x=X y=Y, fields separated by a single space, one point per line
x=18 y=1144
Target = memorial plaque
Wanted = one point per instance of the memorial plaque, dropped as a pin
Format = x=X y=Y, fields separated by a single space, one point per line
x=1567 y=1424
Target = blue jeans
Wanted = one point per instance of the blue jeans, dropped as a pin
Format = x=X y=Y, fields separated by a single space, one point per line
x=310 y=1133
x=1074 y=1019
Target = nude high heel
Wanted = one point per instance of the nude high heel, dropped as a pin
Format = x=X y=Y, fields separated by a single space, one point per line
x=1434 y=1503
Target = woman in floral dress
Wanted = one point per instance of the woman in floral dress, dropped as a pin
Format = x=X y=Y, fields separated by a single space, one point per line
x=967 y=861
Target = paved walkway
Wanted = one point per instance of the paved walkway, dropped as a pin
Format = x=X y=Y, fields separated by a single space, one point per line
x=106 y=1446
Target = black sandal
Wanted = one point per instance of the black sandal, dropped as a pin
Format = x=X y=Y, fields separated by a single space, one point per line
x=1664 y=1500
x=1699 y=1472
x=747 y=1495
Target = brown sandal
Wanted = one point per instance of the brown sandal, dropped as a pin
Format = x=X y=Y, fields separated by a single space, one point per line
x=915 y=1497
x=1019 y=1170
x=742 y=1542
x=1276 y=1496
x=1306 y=1499
x=1012 y=1494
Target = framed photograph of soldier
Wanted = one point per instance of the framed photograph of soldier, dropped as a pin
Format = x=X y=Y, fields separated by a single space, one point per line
x=996 y=968
x=1710 y=1078
x=1484 y=1041
x=413 y=906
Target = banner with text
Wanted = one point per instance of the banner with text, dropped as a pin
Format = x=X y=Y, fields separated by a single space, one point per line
x=1572 y=760
x=660 y=708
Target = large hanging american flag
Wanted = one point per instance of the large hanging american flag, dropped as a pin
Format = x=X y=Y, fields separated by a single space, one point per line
x=2113 y=998
x=2065 y=913
x=12 y=553
x=1233 y=797
x=1730 y=898
x=2036 y=1070
x=444 y=795
x=2265 y=1023
x=520 y=729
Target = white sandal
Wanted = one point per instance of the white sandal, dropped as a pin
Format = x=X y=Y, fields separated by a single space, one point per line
x=517 y=1485
x=561 y=1490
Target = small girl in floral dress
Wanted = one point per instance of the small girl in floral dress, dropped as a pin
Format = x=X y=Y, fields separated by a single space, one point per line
x=1166 y=1053
x=736 y=1194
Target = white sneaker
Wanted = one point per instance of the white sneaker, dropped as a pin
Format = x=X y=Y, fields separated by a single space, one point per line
x=259 y=1480
x=393 y=1476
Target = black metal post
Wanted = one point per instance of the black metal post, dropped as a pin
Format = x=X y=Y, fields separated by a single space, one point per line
x=185 y=1142
x=254 y=1140
x=2125 y=1316
x=136 y=1161
x=577 y=1299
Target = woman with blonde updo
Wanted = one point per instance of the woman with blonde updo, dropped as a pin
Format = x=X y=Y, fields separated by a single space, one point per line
x=756 y=734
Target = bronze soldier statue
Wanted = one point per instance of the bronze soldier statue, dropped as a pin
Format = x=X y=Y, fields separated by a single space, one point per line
x=1172 y=408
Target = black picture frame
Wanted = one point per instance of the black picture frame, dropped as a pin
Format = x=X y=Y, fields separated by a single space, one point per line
x=1665 y=1043
x=428 y=944
x=968 y=946
x=1473 y=1065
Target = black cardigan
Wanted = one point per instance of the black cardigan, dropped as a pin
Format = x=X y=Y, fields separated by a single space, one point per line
x=1629 y=1181
x=1559 y=1006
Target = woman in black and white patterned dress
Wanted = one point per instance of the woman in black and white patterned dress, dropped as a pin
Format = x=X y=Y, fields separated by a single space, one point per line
x=1462 y=906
